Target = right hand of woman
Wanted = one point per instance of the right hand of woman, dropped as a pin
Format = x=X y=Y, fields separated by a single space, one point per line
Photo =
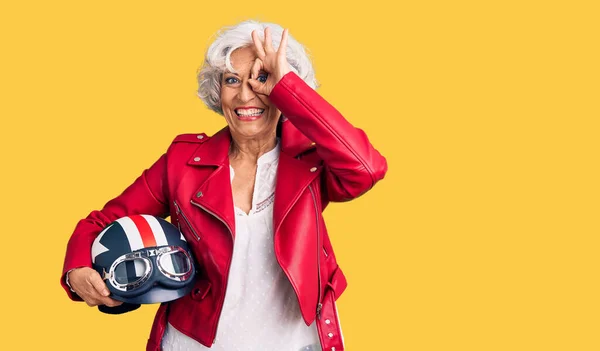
x=88 y=284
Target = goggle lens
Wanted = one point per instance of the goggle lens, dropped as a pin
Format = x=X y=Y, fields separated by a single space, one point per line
x=130 y=271
x=175 y=263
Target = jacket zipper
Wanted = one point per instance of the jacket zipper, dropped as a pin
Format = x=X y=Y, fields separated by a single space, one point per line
x=319 y=304
x=180 y=213
x=228 y=267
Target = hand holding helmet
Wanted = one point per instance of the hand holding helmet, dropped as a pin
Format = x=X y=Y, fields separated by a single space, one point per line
x=88 y=284
x=137 y=259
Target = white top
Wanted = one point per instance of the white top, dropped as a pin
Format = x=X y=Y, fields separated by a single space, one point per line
x=260 y=311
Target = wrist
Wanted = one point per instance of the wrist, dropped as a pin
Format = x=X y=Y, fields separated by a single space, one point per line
x=282 y=74
x=67 y=279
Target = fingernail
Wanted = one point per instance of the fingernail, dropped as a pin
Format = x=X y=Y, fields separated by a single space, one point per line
x=105 y=293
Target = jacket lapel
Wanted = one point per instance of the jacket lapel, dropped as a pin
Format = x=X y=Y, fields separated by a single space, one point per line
x=214 y=193
x=293 y=176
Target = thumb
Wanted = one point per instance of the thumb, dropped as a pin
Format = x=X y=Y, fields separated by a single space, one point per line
x=98 y=284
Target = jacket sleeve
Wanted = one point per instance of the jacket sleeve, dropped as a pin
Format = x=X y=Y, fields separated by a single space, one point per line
x=147 y=195
x=352 y=164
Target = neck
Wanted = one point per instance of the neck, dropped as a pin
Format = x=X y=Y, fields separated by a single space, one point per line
x=251 y=148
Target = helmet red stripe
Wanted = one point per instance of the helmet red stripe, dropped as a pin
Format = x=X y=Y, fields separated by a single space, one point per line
x=145 y=230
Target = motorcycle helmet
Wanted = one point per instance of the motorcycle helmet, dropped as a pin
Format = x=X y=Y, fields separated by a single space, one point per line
x=143 y=259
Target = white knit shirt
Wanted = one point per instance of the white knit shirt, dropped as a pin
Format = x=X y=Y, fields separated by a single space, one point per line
x=260 y=311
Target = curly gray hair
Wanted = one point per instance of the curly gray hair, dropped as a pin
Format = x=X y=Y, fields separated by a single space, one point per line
x=218 y=58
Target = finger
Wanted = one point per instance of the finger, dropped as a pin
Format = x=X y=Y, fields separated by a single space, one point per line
x=93 y=299
x=258 y=47
x=257 y=86
x=283 y=45
x=98 y=284
x=268 y=41
x=256 y=67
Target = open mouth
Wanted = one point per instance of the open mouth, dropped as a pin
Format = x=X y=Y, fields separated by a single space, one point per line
x=249 y=114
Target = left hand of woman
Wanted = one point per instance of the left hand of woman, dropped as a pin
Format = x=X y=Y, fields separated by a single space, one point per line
x=273 y=63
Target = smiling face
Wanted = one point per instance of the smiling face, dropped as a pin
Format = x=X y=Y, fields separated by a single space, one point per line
x=249 y=115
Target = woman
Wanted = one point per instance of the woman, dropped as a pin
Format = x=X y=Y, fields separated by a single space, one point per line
x=249 y=200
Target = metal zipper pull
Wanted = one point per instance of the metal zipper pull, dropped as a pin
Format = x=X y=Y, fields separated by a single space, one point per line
x=177 y=212
x=187 y=222
x=319 y=307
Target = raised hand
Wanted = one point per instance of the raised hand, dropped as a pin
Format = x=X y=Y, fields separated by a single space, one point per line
x=269 y=61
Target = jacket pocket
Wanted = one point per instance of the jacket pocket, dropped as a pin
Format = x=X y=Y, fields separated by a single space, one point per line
x=186 y=222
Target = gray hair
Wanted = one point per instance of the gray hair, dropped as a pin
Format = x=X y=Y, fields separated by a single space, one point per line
x=218 y=58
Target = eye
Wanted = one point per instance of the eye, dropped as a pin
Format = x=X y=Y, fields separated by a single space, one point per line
x=262 y=78
x=231 y=80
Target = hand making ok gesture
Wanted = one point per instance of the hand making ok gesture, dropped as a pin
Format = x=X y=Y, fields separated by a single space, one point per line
x=274 y=63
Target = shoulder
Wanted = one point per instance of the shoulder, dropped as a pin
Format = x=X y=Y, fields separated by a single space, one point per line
x=185 y=144
x=193 y=138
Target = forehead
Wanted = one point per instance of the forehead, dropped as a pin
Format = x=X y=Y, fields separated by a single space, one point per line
x=242 y=59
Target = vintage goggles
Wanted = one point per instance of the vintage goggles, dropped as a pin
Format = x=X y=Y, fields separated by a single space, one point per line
x=162 y=268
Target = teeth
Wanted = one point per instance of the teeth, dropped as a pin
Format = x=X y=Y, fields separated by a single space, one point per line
x=250 y=112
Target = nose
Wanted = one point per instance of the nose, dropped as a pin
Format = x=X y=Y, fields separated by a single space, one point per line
x=246 y=93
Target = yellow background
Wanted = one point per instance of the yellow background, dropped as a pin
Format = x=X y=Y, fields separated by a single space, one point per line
x=482 y=236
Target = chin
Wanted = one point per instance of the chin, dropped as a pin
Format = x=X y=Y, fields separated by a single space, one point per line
x=252 y=131
x=264 y=125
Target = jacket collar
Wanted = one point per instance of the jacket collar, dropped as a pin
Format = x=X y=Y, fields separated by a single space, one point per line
x=215 y=151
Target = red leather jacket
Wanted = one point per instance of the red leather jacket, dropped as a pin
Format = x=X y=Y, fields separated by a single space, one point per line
x=323 y=158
